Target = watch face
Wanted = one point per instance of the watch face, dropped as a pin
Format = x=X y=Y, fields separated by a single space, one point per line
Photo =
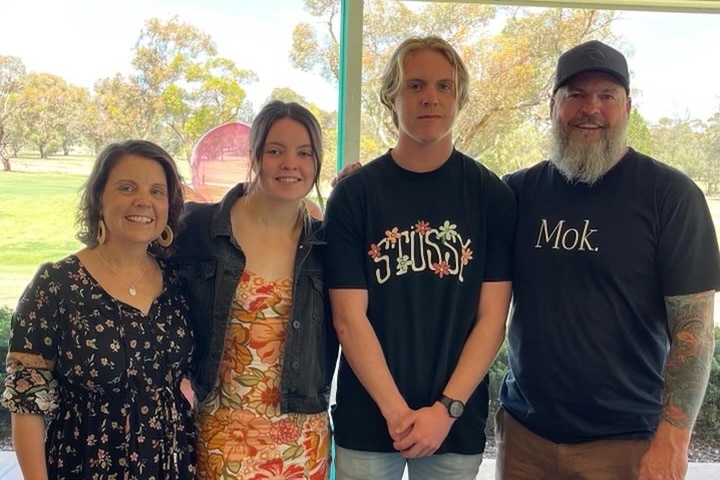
x=455 y=409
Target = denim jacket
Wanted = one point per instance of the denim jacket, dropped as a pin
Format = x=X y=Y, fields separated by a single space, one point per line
x=210 y=263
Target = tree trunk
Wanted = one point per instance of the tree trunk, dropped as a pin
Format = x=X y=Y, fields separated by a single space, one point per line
x=6 y=164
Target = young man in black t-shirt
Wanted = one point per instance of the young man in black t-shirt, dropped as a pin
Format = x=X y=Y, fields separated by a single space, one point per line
x=419 y=246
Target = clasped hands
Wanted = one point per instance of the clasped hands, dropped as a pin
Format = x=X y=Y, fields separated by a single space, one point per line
x=419 y=433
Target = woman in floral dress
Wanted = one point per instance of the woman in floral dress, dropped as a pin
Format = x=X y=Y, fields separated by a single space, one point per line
x=266 y=346
x=100 y=341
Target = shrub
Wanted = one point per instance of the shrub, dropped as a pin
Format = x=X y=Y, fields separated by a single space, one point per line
x=497 y=372
x=5 y=315
x=707 y=427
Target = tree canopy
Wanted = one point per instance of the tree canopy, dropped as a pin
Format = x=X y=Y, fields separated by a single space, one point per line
x=177 y=86
x=510 y=53
x=12 y=79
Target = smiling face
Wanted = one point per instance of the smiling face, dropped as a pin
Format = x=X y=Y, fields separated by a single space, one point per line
x=426 y=104
x=287 y=165
x=134 y=202
x=589 y=105
x=589 y=117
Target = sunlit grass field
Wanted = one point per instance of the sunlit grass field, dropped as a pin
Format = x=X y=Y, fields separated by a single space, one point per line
x=38 y=201
x=37 y=218
x=37 y=212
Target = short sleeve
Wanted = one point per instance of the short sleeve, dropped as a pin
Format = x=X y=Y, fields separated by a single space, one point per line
x=502 y=220
x=688 y=259
x=345 y=254
x=30 y=388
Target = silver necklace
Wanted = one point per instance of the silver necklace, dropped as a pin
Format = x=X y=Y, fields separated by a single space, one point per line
x=131 y=286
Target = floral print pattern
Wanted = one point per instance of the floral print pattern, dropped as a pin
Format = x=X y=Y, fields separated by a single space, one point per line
x=416 y=249
x=105 y=376
x=241 y=432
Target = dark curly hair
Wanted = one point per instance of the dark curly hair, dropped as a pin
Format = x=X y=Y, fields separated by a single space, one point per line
x=88 y=215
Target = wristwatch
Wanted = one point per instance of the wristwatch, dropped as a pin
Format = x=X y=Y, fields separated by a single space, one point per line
x=454 y=407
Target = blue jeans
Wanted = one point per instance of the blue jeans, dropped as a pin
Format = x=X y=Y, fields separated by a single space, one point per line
x=360 y=465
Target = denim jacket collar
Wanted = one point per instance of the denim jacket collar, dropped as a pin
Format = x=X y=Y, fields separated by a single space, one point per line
x=221 y=219
x=221 y=226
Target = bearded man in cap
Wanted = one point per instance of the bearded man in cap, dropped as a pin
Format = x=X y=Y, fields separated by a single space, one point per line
x=616 y=266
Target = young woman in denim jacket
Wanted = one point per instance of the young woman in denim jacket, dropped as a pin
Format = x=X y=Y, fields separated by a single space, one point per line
x=266 y=349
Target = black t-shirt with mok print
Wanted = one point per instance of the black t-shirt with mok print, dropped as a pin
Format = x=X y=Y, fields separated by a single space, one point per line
x=588 y=338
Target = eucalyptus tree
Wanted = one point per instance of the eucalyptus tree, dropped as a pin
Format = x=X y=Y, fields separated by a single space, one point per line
x=510 y=52
x=50 y=109
x=184 y=86
x=12 y=77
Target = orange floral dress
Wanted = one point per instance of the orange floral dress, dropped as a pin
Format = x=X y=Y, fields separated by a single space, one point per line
x=241 y=432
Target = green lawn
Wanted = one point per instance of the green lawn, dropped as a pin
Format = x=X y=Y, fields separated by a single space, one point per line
x=74 y=164
x=37 y=219
x=37 y=214
x=38 y=201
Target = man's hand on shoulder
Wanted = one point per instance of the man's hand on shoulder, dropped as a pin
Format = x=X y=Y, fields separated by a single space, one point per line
x=346 y=172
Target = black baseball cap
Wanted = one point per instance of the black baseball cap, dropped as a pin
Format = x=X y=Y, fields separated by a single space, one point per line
x=592 y=56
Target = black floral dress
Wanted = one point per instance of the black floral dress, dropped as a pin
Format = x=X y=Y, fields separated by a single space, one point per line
x=105 y=376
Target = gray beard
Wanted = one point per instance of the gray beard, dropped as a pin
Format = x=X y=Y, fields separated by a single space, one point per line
x=586 y=163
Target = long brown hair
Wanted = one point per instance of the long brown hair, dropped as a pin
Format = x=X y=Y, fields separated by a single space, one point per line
x=271 y=113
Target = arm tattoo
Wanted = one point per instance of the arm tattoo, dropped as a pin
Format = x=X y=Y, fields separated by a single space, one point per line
x=690 y=320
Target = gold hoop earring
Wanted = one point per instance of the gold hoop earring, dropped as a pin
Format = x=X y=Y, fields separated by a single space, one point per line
x=101 y=237
x=166 y=237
